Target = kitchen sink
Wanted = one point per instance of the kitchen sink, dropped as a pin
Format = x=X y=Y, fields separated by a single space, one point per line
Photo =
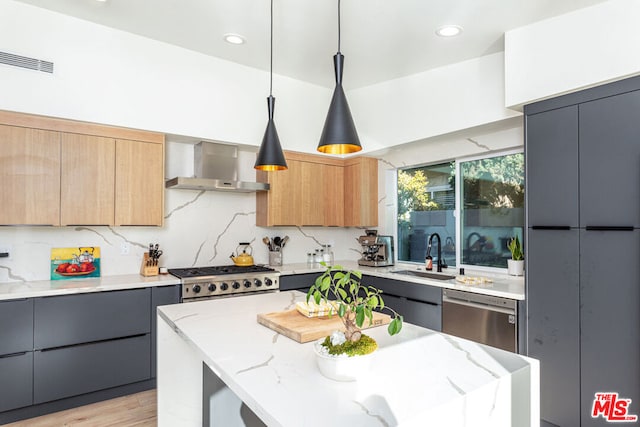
x=425 y=274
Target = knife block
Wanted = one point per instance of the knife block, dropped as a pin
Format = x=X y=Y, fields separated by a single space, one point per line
x=148 y=270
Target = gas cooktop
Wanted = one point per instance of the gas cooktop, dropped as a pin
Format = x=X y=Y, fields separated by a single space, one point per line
x=217 y=270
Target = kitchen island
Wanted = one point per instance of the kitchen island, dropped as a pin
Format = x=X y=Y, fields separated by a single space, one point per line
x=218 y=366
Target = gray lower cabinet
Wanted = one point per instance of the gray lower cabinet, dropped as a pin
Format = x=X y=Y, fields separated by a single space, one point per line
x=610 y=321
x=300 y=282
x=553 y=326
x=418 y=304
x=16 y=326
x=80 y=369
x=73 y=319
x=16 y=381
x=162 y=295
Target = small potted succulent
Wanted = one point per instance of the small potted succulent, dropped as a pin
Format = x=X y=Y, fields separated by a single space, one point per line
x=355 y=304
x=515 y=265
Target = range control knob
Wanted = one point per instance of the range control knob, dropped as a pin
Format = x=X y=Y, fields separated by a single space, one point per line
x=268 y=282
x=257 y=282
x=212 y=287
x=196 y=288
x=224 y=286
x=247 y=283
x=236 y=285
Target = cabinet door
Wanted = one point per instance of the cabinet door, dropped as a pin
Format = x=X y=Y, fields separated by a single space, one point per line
x=361 y=192
x=74 y=319
x=610 y=317
x=311 y=194
x=75 y=370
x=610 y=161
x=553 y=334
x=139 y=183
x=87 y=180
x=16 y=326
x=30 y=176
x=16 y=381
x=163 y=295
x=552 y=167
x=332 y=194
x=427 y=315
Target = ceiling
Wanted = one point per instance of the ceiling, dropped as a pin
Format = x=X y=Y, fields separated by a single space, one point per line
x=381 y=39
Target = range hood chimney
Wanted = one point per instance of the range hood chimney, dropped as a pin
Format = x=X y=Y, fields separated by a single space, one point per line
x=216 y=169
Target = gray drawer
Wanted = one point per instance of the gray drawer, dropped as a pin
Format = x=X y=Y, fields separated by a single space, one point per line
x=16 y=381
x=80 y=369
x=16 y=326
x=414 y=291
x=74 y=319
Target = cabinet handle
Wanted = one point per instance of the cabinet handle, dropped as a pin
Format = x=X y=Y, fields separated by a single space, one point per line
x=13 y=355
x=43 y=350
x=608 y=228
x=423 y=302
x=551 y=227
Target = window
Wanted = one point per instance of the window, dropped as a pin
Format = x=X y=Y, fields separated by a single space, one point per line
x=487 y=197
x=492 y=208
x=426 y=205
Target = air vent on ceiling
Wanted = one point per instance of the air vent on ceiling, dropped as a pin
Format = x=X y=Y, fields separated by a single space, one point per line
x=26 y=62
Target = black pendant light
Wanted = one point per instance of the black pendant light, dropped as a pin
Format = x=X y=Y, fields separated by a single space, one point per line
x=270 y=157
x=339 y=134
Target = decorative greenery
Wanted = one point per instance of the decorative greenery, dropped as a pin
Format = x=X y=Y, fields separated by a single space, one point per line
x=364 y=345
x=516 y=249
x=356 y=301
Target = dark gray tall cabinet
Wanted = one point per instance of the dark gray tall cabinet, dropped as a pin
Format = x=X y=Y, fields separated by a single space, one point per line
x=583 y=249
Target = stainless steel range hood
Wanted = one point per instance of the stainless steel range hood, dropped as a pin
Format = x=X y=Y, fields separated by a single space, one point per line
x=215 y=169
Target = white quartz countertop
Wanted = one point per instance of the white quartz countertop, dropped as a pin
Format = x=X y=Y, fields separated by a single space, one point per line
x=419 y=377
x=46 y=288
x=502 y=285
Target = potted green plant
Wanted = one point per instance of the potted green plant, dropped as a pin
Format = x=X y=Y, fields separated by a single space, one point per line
x=355 y=304
x=515 y=265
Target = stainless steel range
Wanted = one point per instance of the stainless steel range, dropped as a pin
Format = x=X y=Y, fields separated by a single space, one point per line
x=199 y=283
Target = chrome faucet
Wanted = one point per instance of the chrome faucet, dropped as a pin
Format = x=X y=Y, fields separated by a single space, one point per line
x=441 y=262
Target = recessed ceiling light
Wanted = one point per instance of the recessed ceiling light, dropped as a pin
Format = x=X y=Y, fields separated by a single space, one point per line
x=449 y=30
x=233 y=38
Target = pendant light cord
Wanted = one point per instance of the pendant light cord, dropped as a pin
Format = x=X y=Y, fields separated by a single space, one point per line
x=338 y=26
x=271 y=59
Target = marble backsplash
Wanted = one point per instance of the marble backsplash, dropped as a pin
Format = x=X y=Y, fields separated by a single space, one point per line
x=201 y=228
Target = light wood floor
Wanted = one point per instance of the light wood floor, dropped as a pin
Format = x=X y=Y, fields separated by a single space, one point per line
x=134 y=410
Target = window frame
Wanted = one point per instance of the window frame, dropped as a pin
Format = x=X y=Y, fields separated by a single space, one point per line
x=458 y=203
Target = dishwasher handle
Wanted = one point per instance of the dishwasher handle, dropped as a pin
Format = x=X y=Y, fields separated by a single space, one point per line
x=500 y=305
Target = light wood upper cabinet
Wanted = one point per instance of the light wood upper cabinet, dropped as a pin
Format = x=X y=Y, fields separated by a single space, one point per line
x=87 y=180
x=361 y=192
x=29 y=176
x=333 y=195
x=64 y=172
x=139 y=183
x=315 y=191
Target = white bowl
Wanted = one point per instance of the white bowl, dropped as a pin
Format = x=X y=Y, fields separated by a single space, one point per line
x=342 y=368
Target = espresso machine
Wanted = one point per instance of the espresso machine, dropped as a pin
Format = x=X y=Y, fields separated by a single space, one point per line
x=377 y=251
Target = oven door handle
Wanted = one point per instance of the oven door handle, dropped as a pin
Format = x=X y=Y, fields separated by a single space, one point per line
x=446 y=299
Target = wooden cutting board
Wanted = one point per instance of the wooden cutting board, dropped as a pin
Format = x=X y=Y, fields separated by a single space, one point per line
x=303 y=329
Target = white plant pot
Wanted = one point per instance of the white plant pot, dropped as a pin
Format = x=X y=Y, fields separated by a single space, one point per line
x=515 y=268
x=342 y=368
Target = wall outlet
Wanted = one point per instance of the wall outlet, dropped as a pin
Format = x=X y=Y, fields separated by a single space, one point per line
x=125 y=248
x=6 y=249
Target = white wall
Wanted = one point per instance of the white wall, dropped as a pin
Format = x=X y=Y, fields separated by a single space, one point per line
x=581 y=49
x=436 y=102
x=113 y=77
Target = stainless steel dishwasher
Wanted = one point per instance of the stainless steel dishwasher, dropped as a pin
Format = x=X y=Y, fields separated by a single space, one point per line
x=482 y=318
